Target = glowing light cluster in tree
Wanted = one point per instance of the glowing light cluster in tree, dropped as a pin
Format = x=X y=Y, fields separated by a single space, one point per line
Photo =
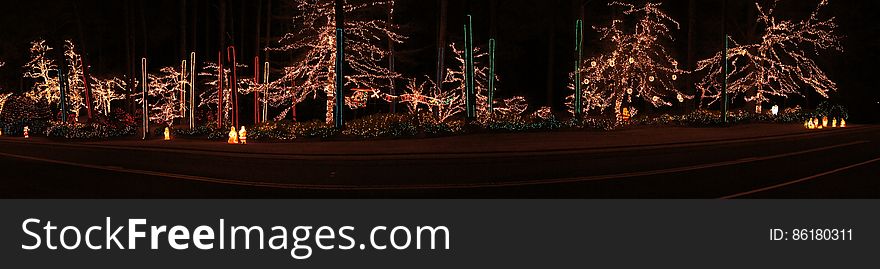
x=779 y=64
x=638 y=65
x=46 y=88
x=105 y=91
x=314 y=45
x=455 y=77
x=209 y=98
x=3 y=99
x=76 y=100
x=164 y=95
x=38 y=68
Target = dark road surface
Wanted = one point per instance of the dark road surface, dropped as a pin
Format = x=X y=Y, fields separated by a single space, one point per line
x=839 y=164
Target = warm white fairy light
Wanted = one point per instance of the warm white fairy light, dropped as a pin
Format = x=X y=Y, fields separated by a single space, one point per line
x=76 y=85
x=779 y=64
x=314 y=43
x=105 y=91
x=38 y=68
x=455 y=78
x=3 y=99
x=209 y=97
x=639 y=64
x=164 y=95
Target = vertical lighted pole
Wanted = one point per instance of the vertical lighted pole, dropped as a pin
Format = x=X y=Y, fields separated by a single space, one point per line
x=265 y=96
x=145 y=106
x=257 y=112
x=231 y=54
x=62 y=88
x=471 y=98
x=88 y=93
x=181 y=83
x=724 y=82
x=491 y=91
x=192 y=90
x=340 y=62
x=579 y=39
x=726 y=63
x=220 y=81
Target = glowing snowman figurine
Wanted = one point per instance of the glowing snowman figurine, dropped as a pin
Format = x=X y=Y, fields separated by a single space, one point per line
x=233 y=136
x=26 y=132
x=242 y=135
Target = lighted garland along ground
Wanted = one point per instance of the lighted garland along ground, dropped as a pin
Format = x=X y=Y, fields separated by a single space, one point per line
x=392 y=126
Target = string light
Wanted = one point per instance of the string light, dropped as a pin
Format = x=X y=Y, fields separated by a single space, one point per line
x=106 y=91
x=46 y=87
x=779 y=64
x=650 y=66
x=3 y=99
x=209 y=98
x=163 y=95
x=315 y=40
x=455 y=77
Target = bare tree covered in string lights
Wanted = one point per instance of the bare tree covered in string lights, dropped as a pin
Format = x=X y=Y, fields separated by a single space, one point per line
x=43 y=69
x=313 y=45
x=210 y=98
x=76 y=100
x=639 y=65
x=46 y=87
x=455 y=78
x=779 y=64
x=163 y=93
x=106 y=91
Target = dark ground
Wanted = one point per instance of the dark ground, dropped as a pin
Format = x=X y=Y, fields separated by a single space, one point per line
x=778 y=162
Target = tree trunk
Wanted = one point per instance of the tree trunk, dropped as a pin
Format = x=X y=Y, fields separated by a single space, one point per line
x=85 y=63
x=194 y=21
x=129 y=54
x=493 y=18
x=222 y=29
x=551 y=62
x=182 y=28
x=268 y=28
x=441 y=41
x=258 y=44
x=691 y=58
x=144 y=28
x=389 y=24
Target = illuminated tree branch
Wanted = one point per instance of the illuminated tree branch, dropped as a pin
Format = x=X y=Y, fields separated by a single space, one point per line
x=781 y=64
x=638 y=66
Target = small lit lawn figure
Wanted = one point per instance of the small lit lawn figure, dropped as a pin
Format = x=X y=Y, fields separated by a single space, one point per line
x=26 y=132
x=233 y=136
x=774 y=110
x=625 y=116
x=167 y=134
x=242 y=136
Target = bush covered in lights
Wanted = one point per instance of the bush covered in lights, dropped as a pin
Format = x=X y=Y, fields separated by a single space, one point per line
x=20 y=111
x=88 y=131
x=517 y=123
x=384 y=125
x=705 y=118
x=117 y=124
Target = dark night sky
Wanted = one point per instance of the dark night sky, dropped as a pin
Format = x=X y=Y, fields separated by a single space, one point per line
x=524 y=37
